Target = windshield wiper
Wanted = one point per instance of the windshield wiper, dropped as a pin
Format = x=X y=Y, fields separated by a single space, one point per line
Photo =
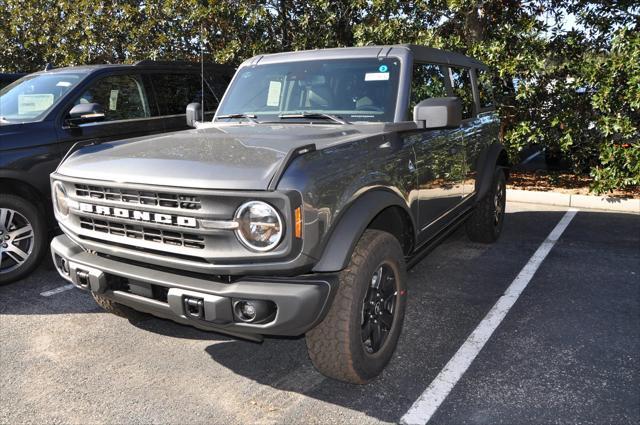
x=312 y=115
x=250 y=117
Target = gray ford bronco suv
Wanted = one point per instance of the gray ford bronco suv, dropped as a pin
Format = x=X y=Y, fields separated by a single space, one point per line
x=297 y=210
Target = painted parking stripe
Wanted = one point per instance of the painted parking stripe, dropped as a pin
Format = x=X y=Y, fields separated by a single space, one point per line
x=423 y=409
x=57 y=290
x=531 y=157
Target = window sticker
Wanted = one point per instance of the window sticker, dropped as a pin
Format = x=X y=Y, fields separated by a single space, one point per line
x=113 y=100
x=383 y=68
x=63 y=84
x=376 y=76
x=30 y=103
x=273 y=97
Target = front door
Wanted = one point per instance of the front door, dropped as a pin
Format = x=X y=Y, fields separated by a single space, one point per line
x=128 y=112
x=439 y=154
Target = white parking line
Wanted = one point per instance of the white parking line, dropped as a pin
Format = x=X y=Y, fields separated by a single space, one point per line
x=531 y=157
x=57 y=290
x=427 y=404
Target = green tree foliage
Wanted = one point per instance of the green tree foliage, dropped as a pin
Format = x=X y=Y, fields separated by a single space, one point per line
x=572 y=90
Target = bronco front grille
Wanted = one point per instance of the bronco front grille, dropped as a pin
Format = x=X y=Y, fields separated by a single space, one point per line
x=140 y=197
x=186 y=240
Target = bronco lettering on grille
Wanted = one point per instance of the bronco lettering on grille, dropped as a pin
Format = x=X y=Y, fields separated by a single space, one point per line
x=175 y=220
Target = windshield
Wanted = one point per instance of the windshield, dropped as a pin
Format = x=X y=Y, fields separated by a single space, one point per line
x=352 y=89
x=31 y=97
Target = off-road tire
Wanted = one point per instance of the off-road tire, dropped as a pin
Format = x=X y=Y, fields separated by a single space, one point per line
x=118 y=309
x=34 y=215
x=482 y=226
x=335 y=346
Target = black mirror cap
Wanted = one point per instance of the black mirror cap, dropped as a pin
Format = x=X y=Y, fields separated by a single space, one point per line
x=438 y=112
x=194 y=112
x=81 y=110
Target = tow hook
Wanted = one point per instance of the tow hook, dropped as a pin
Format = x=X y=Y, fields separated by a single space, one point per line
x=82 y=277
x=194 y=307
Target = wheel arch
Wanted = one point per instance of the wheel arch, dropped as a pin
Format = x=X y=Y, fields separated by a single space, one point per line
x=495 y=156
x=17 y=187
x=380 y=209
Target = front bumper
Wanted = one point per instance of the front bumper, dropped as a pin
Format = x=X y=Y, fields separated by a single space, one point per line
x=300 y=303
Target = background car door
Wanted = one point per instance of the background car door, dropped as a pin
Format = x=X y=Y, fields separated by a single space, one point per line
x=128 y=111
x=439 y=153
x=175 y=90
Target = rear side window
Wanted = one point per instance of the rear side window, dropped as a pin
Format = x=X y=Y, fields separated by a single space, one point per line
x=174 y=91
x=122 y=96
x=428 y=81
x=461 y=84
x=485 y=88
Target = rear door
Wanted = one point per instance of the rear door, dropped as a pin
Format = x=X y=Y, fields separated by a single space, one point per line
x=486 y=128
x=128 y=112
x=174 y=90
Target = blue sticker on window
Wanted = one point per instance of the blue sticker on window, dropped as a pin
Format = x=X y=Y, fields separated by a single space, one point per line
x=383 y=68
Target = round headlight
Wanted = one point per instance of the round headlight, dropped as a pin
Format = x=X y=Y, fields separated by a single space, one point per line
x=260 y=226
x=60 y=199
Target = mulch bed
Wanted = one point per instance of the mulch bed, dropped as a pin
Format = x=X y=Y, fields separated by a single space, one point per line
x=546 y=181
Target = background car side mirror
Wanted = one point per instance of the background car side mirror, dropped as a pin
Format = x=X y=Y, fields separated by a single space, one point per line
x=194 y=112
x=438 y=112
x=84 y=113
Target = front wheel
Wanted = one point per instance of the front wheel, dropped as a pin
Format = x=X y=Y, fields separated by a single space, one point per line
x=357 y=338
x=23 y=237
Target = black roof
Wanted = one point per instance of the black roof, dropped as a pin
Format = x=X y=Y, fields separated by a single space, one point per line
x=420 y=53
x=144 y=64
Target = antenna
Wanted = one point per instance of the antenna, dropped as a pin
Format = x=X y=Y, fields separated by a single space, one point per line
x=202 y=70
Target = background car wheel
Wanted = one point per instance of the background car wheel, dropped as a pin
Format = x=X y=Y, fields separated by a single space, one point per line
x=485 y=223
x=357 y=338
x=23 y=237
x=113 y=307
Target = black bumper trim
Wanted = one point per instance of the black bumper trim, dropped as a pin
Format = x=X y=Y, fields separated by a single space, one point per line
x=301 y=301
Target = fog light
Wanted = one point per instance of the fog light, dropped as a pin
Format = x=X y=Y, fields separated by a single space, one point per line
x=254 y=311
x=246 y=311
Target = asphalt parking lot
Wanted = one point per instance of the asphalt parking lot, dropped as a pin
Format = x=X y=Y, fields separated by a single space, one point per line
x=568 y=351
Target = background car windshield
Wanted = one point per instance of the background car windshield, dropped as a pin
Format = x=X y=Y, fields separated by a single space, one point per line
x=31 y=97
x=354 y=89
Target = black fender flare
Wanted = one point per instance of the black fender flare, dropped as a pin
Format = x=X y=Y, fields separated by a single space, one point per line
x=494 y=156
x=352 y=223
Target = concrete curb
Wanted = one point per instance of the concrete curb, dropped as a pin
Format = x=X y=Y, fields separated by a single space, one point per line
x=577 y=201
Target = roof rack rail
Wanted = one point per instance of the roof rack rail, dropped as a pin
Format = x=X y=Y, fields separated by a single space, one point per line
x=149 y=62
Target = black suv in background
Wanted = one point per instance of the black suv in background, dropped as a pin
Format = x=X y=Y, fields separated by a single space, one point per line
x=8 y=78
x=42 y=115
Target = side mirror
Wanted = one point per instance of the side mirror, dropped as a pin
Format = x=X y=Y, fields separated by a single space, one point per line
x=438 y=112
x=84 y=113
x=194 y=112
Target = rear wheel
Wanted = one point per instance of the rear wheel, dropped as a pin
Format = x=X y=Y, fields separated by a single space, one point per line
x=357 y=338
x=23 y=237
x=485 y=223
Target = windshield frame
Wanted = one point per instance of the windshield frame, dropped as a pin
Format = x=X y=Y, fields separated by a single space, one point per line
x=49 y=112
x=403 y=55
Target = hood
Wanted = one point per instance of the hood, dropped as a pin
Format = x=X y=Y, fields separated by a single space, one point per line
x=236 y=156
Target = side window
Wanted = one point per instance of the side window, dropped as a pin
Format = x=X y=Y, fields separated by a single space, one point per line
x=461 y=84
x=122 y=97
x=428 y=81
x=176 y=90
x=485 y=88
